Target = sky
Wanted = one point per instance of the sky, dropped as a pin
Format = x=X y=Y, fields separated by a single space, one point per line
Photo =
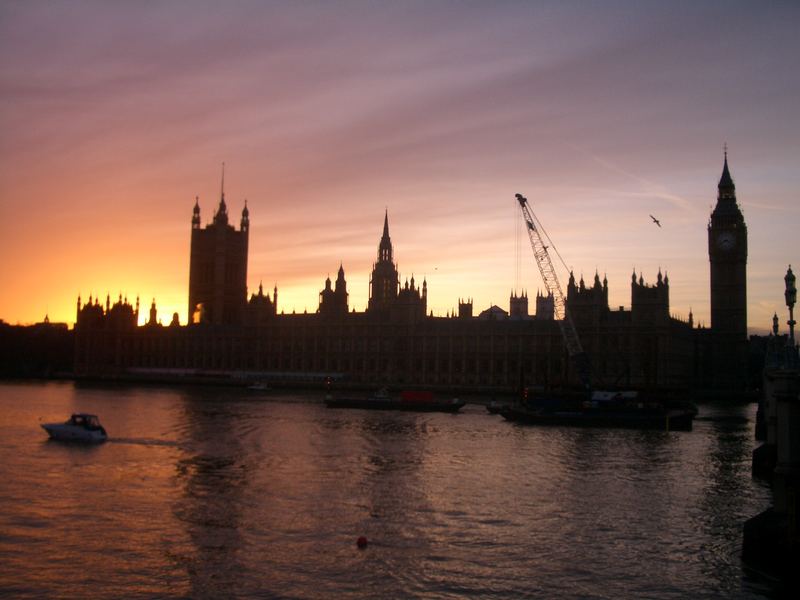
x=115 y=116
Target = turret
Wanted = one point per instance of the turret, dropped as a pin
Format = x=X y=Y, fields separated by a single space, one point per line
x=334 y=303
x=260 y=308
x=545 y=305
x=341 y=290
x=153 y=315
x=518 y=305
x=245 y=224
x=650 y=303
x=196 y=213
x=587 y=304
x=465 y=308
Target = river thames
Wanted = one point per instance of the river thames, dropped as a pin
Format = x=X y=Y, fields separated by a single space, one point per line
x=225 y=493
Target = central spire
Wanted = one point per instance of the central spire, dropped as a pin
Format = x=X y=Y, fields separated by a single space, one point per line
x=385 y=246
x=222 y=211
x=222 y=185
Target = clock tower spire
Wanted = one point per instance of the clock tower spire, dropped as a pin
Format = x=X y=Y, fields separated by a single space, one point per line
x=727 y=253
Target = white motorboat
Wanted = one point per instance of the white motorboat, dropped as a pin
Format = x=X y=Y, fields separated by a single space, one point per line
x=80 y=427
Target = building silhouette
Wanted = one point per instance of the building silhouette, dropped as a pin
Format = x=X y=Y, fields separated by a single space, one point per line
x=333 y=301
x=384 y=282
x=395 y=342
x=727 y=253
x=518 y=305
x=45 y=349
x=218 y=267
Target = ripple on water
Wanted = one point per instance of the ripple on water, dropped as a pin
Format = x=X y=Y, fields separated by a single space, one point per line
x=214 y=494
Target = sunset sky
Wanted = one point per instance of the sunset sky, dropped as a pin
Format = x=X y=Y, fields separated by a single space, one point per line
x=114 y=116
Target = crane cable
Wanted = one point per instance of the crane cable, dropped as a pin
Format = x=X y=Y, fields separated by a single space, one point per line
x=517 y=248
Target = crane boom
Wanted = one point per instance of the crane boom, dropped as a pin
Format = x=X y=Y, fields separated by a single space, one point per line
x=550 y=278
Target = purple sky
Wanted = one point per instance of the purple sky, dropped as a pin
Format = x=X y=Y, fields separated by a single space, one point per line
x=115 y=115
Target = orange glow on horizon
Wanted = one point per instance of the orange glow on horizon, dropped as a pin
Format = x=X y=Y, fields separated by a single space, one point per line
x=115 y=118
x=300 y=266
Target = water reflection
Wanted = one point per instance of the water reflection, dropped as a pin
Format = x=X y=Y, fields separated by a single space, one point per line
x=213 y=494
x=365 y=465
x=401 y=519
x=214 y=477
x=727 y=486
x=615 y=505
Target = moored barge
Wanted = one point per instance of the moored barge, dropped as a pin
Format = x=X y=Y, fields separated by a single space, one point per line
x=604 y=409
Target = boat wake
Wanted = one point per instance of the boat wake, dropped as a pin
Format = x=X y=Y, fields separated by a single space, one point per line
x=144 y=442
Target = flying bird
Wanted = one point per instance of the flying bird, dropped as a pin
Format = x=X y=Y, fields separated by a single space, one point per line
x=656 y=221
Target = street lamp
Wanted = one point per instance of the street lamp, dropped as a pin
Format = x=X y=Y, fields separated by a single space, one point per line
x=791 y=298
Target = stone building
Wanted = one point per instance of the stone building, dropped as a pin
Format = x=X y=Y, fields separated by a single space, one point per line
x=395 y=341
x=727 y=252
x=218 y=268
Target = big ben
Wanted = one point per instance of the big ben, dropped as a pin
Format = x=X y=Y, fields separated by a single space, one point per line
x=727 y=253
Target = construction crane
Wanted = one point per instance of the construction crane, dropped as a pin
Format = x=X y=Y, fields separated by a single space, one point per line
x=573 y=343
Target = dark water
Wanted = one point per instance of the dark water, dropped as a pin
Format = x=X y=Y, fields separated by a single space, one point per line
x=229 y=494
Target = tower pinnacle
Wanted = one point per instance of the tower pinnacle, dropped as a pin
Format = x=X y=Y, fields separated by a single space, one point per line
x=222 y=211
x=222 y=185
x=196 y=213
x=245 y=224
x=726 y=186
x=385 y=245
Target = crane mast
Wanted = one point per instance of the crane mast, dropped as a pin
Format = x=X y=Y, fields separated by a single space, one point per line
x=550 y=278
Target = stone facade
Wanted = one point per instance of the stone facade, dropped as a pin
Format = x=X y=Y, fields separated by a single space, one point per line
x=218 y=268
x=395 y=341
x=727 y=252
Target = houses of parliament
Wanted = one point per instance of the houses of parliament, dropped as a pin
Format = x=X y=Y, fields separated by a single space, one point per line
x=395 y=341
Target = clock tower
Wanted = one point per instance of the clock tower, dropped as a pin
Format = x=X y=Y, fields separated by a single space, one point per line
x=727 y=253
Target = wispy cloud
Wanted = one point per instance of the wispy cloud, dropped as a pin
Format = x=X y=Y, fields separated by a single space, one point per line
x=115 y=116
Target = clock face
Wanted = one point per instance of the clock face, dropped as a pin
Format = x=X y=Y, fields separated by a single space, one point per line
x=726 y=240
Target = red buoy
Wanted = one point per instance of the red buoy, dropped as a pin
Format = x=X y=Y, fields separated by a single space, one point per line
x=361 y=542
